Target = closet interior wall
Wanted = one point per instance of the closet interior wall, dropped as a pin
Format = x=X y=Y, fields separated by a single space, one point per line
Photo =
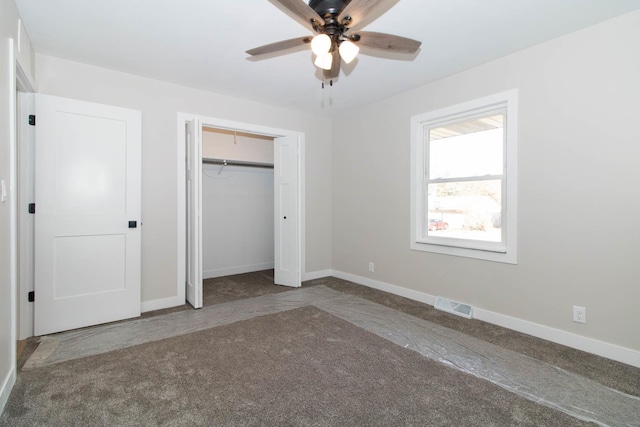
x=237 y=203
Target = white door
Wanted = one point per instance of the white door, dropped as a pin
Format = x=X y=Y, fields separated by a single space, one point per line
x=194 y=213
x=287 y=209
x=87 y=224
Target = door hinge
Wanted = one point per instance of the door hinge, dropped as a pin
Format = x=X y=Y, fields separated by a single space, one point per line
x=32 y=119
x=31 y=296
x=32 y=208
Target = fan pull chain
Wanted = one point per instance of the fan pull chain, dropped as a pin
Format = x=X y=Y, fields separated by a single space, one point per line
x=331 y=92
x=330 y=83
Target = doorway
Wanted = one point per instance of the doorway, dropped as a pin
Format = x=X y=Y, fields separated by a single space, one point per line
x=288 y=198
x=237 y=203
x=88 y=213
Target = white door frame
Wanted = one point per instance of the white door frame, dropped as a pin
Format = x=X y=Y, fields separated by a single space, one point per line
x=74 y=221
x=181 y=178
x=9 y=179
x=25 y=195
x=25 y=172
x=194 y=273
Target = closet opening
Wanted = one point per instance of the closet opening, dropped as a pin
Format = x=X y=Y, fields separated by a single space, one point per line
x=237 y=214
x=243 y=189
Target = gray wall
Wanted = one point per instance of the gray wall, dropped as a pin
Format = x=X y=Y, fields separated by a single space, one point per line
x=579 y=192
x=237 y=204
x=160 y=102
x=9 y=36
x=579 y=201
x=237 y=219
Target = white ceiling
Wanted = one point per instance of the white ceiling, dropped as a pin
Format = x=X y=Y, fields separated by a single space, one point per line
x=202 y=43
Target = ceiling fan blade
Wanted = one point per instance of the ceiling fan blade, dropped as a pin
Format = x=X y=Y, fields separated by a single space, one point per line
x=301 y=12
x=364 y=12
x=335 y=66
x=387 y=42
x=277 y=46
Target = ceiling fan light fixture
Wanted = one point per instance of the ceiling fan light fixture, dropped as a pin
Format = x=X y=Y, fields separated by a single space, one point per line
x=321 y=44
x=337 y=24
x=348 y=51
x=324 y=61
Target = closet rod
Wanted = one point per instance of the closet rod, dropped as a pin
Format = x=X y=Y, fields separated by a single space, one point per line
x=236 y=163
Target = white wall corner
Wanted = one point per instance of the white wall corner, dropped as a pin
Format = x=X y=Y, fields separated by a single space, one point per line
x=24 y=79
x=159 y=304
x=579 y=342
x=317 y=275
x=7 y=386
x=387 y=287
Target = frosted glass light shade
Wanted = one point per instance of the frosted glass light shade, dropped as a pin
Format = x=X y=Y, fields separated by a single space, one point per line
x=321 y=44
x=348 y=51
x=324 y=61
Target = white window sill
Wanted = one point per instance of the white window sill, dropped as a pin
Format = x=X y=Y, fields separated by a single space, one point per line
x=508 y=257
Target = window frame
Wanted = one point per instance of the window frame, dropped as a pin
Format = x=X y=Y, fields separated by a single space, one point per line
x=506 y=251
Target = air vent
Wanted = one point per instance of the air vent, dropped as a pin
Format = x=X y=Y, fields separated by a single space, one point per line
x=454 y=307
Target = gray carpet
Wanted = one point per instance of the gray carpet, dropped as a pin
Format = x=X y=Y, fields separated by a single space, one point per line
x=616 y=375
x=300 y=367
x=613 y=374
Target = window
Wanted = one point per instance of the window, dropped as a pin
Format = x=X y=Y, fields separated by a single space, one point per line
x=464 y=180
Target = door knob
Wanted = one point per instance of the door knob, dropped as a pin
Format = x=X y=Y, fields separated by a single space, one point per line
x=133 y=224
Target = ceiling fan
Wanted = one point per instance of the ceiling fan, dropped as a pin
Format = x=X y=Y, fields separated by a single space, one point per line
x=337 y=24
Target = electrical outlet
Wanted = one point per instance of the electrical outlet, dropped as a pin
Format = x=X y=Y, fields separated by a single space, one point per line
x=371 y=267
x=579 y=314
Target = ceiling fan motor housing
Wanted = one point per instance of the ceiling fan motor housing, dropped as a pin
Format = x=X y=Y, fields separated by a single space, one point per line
x=329 y=10
x=324 y=7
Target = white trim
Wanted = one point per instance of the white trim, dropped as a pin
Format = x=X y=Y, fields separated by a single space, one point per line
x=13 y=199
x=25 y=173
x=182 y=118
x=507 y=100
x=221 y=272
x=387 y=287
x=7 y=386
x=579 y=342
x=590 y=345
x=316 y=275
x=159 y=304
x=23 y=79
x=302 y=222
x=25 y=195
x=181 y=218
x=10 y=378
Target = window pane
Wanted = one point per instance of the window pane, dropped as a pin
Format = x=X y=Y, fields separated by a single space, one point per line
x=465 y=210
x=468 y=148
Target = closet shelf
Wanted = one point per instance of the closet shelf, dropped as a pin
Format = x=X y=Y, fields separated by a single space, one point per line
x=236 y=163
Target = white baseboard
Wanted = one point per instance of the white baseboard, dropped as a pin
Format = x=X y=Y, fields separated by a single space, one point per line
x=210 y=274
x=590 y=345
x=159 y=304
x=316 y=275
x=7 y=386
x=387 y=287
